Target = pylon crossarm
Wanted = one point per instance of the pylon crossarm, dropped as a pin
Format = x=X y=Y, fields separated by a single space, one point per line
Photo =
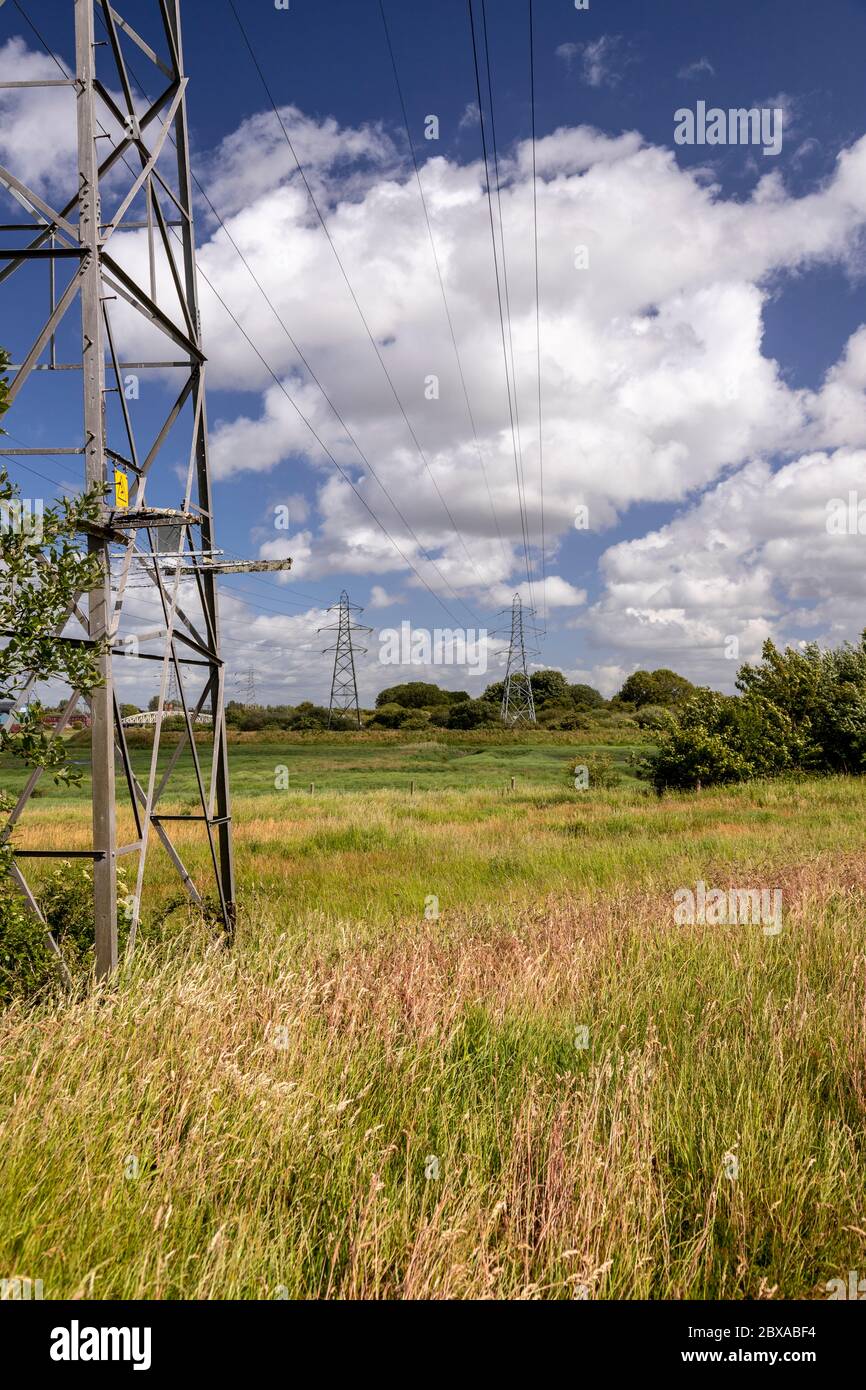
x=154 y=516
x=238 y=567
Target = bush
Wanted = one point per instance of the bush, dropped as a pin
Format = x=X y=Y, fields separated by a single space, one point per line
x=798 y=710
x=413 y=695
x=599 y=768
x=27 y=964
x=661 y=687
x=563 y=717
x=418 y=719
x=718 y=739
x=472 y=714
x=308 y=716
x=575 y=722
x=586 y=697
x=549 y=687
x=389 y=717
x=654 y=717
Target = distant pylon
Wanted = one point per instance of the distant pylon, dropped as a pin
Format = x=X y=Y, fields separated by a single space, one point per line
x=518 y=705
x=249 y=677
x=344 y=685
x=172 y=698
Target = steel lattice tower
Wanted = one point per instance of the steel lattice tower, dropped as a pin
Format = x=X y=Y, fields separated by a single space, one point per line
x=344 y=685
x=133 y=174
x=518 y=705
x=248 y=677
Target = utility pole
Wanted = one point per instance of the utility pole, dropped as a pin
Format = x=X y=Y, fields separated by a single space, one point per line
x=518 y=705
x=344 y=685
x=171 y=551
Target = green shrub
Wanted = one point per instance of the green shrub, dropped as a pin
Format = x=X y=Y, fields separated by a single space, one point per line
x=473 y=714
x=599 y=770
x=655 y=717
x=27 y=964
x=718 y=739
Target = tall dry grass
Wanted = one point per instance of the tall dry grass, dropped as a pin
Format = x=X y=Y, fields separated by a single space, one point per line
x=341 y=1109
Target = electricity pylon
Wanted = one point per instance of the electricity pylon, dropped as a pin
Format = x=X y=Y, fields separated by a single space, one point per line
x=518 y=705
x=172 y=698
x=138 y=181
x=344 y=685
x=249 y=679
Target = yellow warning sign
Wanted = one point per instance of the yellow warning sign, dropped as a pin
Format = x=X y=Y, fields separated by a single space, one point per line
x=121 y=489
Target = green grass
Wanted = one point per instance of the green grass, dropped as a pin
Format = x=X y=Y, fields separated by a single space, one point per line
x=283 y=1100
x=362 y=765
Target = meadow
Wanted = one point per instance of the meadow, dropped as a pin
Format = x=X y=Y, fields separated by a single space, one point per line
x=459 y=1048
x=372 y=762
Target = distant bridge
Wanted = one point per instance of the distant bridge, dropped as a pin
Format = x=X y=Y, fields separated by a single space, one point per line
x=149 y=717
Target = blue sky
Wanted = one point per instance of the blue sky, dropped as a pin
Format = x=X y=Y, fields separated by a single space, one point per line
x=702 y=377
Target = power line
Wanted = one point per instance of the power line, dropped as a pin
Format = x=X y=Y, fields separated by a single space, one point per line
x=537 y=313
x=440 y=279
x=323 y=446
x=287 y=394
x=297 y=349
x=522 y=478
x=354 y=296
x=499 y=291
x=365 y=460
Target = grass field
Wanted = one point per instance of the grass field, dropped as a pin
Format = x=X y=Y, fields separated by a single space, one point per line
x=548 y=1090
x=355 y=765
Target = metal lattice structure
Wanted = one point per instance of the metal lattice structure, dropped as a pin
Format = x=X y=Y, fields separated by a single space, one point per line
x=133 y=176
x=247 y=679
x=344 y=684
x=518 y=704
